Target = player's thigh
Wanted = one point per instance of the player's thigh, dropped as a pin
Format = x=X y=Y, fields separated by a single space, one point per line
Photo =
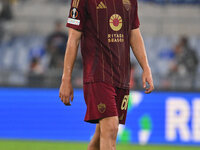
x=109 y=126
x=97 y=131
x=96 y=138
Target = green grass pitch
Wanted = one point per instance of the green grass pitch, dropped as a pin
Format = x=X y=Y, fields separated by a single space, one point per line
x=36 y=145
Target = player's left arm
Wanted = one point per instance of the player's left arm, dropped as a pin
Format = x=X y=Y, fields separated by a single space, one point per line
x=138 y=48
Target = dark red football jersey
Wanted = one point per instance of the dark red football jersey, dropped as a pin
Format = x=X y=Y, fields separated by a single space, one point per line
x=105 y=46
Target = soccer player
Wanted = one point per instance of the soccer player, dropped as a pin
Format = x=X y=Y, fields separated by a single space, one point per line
x=107 y=29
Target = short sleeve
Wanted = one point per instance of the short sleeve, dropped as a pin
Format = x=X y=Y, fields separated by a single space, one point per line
x=134 y=15
x=76 y=18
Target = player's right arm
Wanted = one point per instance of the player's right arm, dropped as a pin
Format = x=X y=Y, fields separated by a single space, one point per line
x=66 y=90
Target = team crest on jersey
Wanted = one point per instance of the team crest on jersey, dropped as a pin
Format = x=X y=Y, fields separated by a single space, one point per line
x=74 y=13
x=115 y=22
x=127 y=4
x=101 y=107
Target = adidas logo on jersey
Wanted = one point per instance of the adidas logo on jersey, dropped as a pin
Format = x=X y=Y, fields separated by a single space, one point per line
x=101 y=6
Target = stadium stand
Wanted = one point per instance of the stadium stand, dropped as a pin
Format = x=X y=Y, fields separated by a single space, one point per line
x=161 y=26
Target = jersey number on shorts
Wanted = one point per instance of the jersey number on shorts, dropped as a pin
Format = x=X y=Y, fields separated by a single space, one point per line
x=125 y=103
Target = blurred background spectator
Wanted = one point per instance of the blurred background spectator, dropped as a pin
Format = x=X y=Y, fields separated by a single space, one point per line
x=56 y=45
x=5 y=14
x=5 y=10
x=185 y=63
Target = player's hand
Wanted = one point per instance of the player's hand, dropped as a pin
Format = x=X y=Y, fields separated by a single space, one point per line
x=147 y=81
x=66 y=92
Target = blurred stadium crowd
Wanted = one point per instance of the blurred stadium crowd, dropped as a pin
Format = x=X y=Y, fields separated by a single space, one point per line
x=33 y=39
